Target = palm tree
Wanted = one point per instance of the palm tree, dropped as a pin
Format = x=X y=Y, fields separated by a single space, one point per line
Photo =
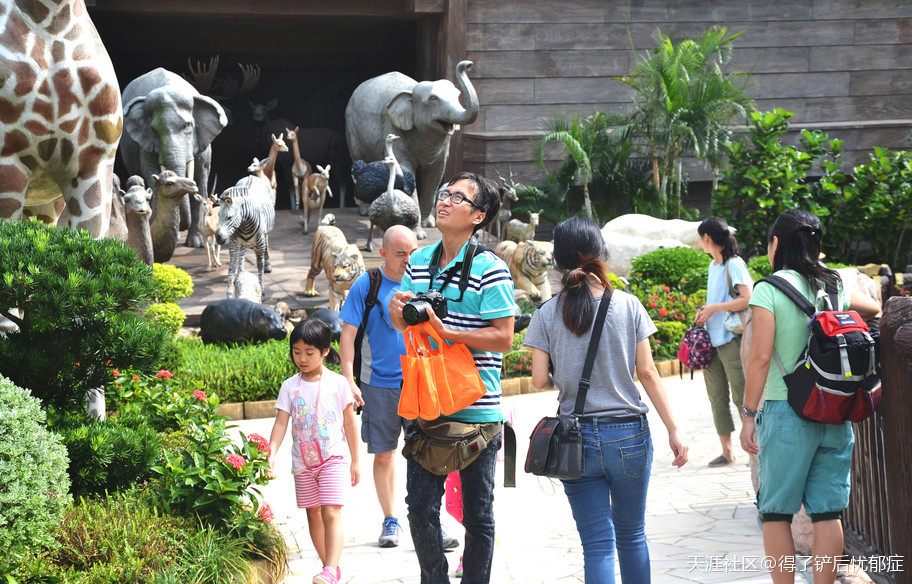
x=684 y=104
x=575 y=138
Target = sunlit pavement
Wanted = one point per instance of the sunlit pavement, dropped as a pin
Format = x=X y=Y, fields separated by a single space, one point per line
x=701 y=522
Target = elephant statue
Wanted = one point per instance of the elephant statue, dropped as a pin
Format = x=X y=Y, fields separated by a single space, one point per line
x=169 y=125
x=424 y=115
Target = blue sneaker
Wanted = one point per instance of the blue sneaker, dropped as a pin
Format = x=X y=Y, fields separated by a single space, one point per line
x=448 y=542
x=389 y=535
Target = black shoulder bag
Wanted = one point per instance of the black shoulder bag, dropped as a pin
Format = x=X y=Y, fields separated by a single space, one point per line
x=556 y=444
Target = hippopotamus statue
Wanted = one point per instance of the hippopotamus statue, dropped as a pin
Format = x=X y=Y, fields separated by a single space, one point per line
x=331 y=318
x=235 y=320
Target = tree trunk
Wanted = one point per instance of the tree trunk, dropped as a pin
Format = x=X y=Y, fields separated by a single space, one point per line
x=587 y=203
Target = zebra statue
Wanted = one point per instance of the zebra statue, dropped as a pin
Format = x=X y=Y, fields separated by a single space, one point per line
x=246 y=217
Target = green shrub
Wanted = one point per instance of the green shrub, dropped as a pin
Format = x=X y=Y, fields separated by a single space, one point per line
x=214 y=477
x=664 y=304
x=171 y=282
x=616 y=281
x=667 y=340
x=108 y=455
x=759 y=267
x=167 y=314
x=121 y=537
x=681 y=268
x=124 y=537
x=159 y=400
x=34 y=488
x=238 y=373
x=83 y=301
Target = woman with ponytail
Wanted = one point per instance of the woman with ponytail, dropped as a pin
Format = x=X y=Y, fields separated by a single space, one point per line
x=724 y=377
x=800 y=461
x=609 y=500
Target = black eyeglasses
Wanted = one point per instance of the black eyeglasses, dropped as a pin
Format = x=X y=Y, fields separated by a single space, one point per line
x=457 y=198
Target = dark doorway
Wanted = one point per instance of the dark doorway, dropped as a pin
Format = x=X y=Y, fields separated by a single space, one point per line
x=309 y=65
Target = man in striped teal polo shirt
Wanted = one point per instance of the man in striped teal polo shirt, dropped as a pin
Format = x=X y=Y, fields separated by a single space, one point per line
x=481 y=317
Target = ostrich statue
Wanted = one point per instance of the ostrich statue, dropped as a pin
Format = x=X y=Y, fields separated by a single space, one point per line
x=393 y=207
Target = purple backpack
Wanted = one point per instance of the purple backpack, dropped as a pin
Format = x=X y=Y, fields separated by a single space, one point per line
x=696 y=350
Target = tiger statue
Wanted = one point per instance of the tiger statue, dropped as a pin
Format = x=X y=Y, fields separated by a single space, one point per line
x=341 y=261
x=529 y=262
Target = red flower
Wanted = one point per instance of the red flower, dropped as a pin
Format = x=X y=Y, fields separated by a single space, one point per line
x=519 y=367
x=261 y=443
x=136 y=379
x=653 y=304
x=115 y=372
x=528 y=368
x=236 y=460
x=666 y=288
x=199 y=394
x=265 y=513
x=683 y=298
x=663 y=312
x=164 y=374
x=76 y=364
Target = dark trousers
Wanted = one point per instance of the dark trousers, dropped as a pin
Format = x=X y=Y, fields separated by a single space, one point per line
x=424 y=493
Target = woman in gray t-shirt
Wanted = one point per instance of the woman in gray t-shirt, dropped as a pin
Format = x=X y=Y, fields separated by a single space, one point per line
x=616 y=440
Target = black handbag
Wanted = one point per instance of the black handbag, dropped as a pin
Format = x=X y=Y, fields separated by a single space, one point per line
x=556 y=443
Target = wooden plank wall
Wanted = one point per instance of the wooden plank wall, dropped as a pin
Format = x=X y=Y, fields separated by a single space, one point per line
x=842 y=66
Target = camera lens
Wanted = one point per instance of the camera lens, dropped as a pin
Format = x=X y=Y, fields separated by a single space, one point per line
x=415 y=312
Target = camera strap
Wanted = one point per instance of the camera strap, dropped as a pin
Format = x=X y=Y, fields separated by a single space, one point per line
x=465 y=266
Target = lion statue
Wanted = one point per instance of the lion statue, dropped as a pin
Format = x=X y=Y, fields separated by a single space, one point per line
x=341 y=261
x=529 y=262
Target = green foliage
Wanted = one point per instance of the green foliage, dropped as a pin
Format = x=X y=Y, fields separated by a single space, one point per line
x=159 y=401
x=763 y=179
x=681 y=268
x=168 y=314
x=759 y=267
x=667 y=340
x=235 y=373
x=118 y=538
x=34 y=488
x=82 y=301
x=212 y=476
x=108 y=455
x=602 y=160
x=666 y=305
x=517 y=362
x=876 y=207
x=684 y=105
x=171 y=282
x=616 y=282
x=123 y=537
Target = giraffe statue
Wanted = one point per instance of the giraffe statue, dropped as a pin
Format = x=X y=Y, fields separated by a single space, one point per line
x=60 y=115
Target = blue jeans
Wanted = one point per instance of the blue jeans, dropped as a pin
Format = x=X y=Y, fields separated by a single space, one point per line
x=609 y=501
x=424 y=492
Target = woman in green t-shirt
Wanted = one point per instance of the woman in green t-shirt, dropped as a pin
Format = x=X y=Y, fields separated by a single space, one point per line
x=800 y=461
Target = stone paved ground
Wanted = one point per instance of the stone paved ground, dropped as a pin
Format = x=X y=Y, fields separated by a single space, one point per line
x=701 y=522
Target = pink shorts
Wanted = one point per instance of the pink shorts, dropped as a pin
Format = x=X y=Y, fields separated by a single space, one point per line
x=324 y=485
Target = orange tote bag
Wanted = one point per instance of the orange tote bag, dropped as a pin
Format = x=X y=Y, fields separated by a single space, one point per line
x=419 y=394
x=456 y=377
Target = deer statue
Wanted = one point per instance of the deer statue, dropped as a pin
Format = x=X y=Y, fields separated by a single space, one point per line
x=265 y=168
x=316 y=189
x=507 y=198
x=300 y=168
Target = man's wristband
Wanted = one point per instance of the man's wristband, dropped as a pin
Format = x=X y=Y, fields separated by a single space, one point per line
x=747 y=412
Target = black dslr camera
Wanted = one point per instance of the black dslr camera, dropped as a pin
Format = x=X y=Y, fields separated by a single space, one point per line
x=415 y=310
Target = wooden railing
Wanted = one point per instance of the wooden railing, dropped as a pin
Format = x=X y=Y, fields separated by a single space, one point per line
x=880 y=508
